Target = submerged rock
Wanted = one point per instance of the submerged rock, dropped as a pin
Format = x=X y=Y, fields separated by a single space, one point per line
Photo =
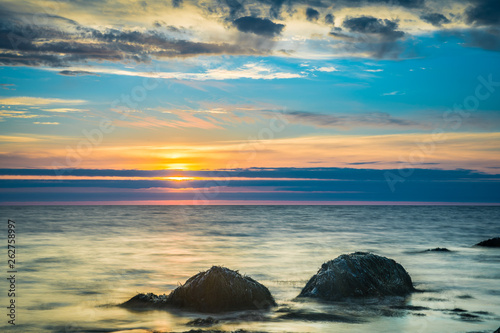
x=220 y=289
x=217 y=290
x=438 y=249
x=358 y=274
x=492 y=242
x=146 y=300
x=203 y=322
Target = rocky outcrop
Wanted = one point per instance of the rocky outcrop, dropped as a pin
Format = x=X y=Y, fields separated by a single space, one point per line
x=492 y=242
x=358 y=274
x=220 y=289
x=217 y=290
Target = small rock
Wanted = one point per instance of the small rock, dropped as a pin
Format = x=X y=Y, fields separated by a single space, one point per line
x=203 y=322
x=146 y=300
x=492 y=242
x=438 y=249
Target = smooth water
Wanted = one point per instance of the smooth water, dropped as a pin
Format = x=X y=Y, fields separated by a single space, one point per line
x=76 y=263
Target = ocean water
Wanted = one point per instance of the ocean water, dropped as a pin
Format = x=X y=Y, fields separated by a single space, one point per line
x=76 y=263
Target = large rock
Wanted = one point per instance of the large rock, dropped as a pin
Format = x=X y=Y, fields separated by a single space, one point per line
x=492 y=242
x=220 y=289
x=358 y=275
x=217 y=290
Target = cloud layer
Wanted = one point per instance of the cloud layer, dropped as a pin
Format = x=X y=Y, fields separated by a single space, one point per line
x=32 y=39
x=254 y=184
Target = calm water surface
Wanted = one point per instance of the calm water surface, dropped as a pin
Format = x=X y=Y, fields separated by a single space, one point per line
x=75 y=263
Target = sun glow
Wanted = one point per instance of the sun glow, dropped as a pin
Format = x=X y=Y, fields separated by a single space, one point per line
x=178 y=179
x=178 y=166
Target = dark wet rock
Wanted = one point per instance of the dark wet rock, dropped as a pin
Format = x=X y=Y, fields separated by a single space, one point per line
x=469 y=317
x=149 y=300
x=410 y=307
x=458 y=310
x=435 y=299
x=465 y=315
x=358 y=274
x=492 y=242
x=203 y=322
x=483 y=313
x=220 y=289
x=497 y=331
x=217 y=290
x=284 y=309
x=250 y=316
x=438 y=249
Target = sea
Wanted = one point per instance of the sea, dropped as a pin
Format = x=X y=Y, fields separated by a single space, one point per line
x=74 y=265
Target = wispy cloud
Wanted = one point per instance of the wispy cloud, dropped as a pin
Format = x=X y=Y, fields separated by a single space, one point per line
x=37 y=101
x=21 y=114
x=65 y=110
x=373 y=119
x=77 y=73
x=7 y=86
x=16 y=138
x=393 y=93
x=45 y=123
x=327 y=69
x=255 y=71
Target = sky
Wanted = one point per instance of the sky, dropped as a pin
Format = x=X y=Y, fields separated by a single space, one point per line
x=250 y=102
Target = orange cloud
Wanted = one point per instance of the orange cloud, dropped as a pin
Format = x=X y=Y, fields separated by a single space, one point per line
x=478 y=151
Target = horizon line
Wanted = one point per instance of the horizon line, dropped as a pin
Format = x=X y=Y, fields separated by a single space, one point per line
x=245 y=203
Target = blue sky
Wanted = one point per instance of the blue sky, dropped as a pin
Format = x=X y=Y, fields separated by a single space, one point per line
x=392 y=88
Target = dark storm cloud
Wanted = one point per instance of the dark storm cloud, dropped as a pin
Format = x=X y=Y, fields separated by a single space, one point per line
x=400 y=3
x=25 y=43
x=483 y=12
x=329 y=19
x=177 y=3
x=369 y=35
x=435 y=19
x=312 y=14
x=235 y=8
x=53 y=40
x=484 y=17
x=273 y=9
x=385 y=29
x=258 y=26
